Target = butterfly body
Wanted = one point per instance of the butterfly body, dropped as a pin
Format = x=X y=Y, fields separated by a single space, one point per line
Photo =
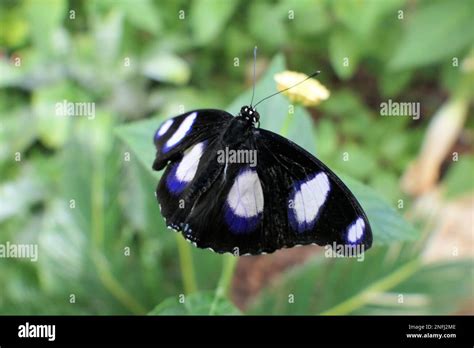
x=233 y=187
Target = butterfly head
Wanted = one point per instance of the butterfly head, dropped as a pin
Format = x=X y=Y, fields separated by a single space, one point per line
x=250 y=114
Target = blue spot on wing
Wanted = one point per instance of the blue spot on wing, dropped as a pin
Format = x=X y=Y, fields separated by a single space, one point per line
x=175 y=186
x=239 y=224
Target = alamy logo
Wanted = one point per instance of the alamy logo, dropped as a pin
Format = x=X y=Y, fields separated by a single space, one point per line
x=21 y=251
x=67 y=108
x=237 y=156
x=37 y=331
x=345 y=250
x=391 y=108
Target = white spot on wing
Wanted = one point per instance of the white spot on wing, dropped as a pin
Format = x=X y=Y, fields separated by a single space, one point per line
x=182 y=130
x=310 y=197
x=246 y=196
x=188 y=166
x=356 y=230
x=164 y=127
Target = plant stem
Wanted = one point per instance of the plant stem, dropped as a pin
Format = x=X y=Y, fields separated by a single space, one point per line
x=186 y=264
x=388 y=282
x=113 y=286
x=97 y=204
x=228 y=266
x=98 y=230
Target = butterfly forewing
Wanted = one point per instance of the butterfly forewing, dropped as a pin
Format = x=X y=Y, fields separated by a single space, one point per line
x=179 y=133
x=309 y=203
x=181 y=143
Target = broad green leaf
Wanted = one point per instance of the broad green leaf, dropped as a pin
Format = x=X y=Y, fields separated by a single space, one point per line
x=29 y=69
x=266 y=23
x=19 y=194
x=459 y=179
x=428 y=292
x=387 y=224
x=108 y=36
x=326 y=136
x=344 y=52
x=372 y=11
x=138 y=136
x=142 y=14
x=195 y=304
x=17 y=25
x=15 y=122
x=166 y=67
x=302 y=12
x=393 y=83
x=350 y=159
x=50 y=107
x=388 y=184
x=45 y=18
x=434 y=36
x=387 y=281
x=62 y=249
x=208 y=18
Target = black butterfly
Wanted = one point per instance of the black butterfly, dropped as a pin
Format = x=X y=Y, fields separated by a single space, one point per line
x=223 y=198
x=286 y=197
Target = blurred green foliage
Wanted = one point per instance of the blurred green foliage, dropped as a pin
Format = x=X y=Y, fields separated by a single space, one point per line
x=83 y=188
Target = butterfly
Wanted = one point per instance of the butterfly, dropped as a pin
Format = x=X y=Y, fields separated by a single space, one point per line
x=231 y=186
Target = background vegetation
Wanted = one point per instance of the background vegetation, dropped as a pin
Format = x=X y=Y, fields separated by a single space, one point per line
x=83 y=189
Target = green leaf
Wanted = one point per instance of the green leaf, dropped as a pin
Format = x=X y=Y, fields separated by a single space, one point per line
x=344 y=51
x=166 y=67
x=108 y=37
x=62 y=249
x=19 y=194
x=195 y=304
x=264 y=18
x=372 y=11
x=306 y=11
x=17 y=25
x=53 y=126
x=388 y=281
x=430 y=292
x=142 y=14
x=432 y=35
x=45 y=18
x=208 y=18
x=17 y=121
x=138 y=136
x=393 y=83
x=326 y=138
x=356 y=155
x=459 y=180
x=387 y=225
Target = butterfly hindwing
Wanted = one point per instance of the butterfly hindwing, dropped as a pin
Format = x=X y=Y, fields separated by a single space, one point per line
x=310 y=204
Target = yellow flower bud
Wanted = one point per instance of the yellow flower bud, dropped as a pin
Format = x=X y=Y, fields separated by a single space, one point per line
x=309 y=93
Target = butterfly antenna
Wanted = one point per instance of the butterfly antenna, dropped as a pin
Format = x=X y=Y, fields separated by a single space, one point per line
x=254 y=64
x=296 y=84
